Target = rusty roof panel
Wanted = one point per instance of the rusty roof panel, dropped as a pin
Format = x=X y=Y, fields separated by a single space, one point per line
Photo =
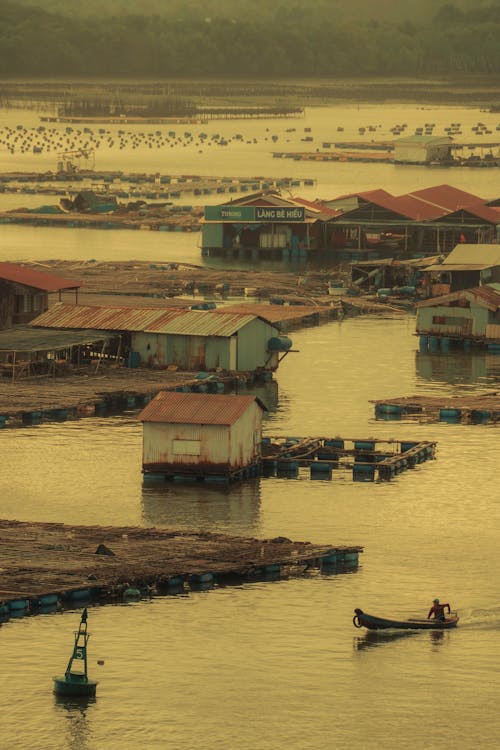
x=102 y=318
x=49 y=282
x=201 y=323
x=196 y=408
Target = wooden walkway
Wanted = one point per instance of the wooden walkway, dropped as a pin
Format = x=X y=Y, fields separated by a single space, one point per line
x=40 y=560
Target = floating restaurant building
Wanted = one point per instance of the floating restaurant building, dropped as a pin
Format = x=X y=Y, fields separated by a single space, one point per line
x=189 y=339
x=358 y=226
x=204 y=436
x=264 y=225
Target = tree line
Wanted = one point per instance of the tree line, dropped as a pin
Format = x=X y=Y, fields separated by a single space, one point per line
x=275 y=40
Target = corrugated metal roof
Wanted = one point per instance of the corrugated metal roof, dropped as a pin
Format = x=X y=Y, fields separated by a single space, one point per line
x=24 y=339
x=491 y=215
x=201 y=323
x=485 y=294
x=147 y=319
x=446 y=197
x=467 y=253
x=196 y=408
x=101 y=318
x=37 y=279
x=458 y=267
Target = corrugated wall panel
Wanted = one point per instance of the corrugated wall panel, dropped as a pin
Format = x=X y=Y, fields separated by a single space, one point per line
x=218 y=353
x=244 y=448
x=252 y=344
x=158 y=443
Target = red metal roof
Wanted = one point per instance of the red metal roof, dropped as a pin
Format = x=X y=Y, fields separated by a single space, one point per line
x=446 y=197
x=481 y=211
x=196 y=408
x=37 y=279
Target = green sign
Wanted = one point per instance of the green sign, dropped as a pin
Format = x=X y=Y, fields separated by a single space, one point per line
x=230 y=213
x=264 y=214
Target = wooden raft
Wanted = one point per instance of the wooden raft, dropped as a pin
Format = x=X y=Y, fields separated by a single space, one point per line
x=42 y=558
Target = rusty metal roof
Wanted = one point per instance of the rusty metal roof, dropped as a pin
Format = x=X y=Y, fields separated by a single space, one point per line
x=102 y=318
x=49 y=282
x=200 y=323
x=146 y=319
x=196 y=408
x=485 y=296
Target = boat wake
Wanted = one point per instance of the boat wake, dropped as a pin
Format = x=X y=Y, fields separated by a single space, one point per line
x=480 y=619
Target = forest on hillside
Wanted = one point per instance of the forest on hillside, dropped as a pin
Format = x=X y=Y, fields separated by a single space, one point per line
x=236 y=38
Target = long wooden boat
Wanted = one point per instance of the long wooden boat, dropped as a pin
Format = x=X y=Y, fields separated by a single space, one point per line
x=363 y=620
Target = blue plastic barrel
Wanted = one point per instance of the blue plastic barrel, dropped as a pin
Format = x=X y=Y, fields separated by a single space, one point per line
x=134 y=359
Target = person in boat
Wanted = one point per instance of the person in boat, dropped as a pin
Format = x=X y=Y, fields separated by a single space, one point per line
x=437 y=610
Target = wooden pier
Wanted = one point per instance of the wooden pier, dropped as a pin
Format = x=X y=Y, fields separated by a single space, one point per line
x=52 y=564
x=470 y=409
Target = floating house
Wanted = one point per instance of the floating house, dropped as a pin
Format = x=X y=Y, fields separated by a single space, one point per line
x=264 y=224
x=203 y=436
x=468 y=317
x=358 y=226
x=465 y=267
x=189 y=339
x=422 y=149
x=374 y=223
x=24 y=293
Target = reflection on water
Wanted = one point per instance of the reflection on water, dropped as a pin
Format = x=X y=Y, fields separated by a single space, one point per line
x=374 y=638
x=234 y=508
x=457 y=367
x=77 y=716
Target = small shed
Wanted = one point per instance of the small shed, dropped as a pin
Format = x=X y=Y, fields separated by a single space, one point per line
x=422 y=149
x=468 y=315
x=201 y=435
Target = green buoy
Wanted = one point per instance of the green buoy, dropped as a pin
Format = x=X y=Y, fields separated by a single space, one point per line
x=75 y=682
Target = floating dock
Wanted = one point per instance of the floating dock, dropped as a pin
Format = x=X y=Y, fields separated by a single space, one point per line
x=363 y=460
x=366 y=459
x=24 y=403
x=48 y=565
x=470 y=409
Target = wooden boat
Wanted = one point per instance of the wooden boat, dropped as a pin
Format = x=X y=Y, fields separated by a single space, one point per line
x=363 y=620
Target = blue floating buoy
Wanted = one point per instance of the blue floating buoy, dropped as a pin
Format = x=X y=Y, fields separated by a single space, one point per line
x=449 y=415
x=363 y=473
x=364 y=445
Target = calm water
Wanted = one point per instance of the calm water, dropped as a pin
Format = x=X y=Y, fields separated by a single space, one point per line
x=276 y=666
x=279 y=665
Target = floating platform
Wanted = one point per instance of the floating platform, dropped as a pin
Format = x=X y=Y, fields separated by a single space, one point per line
x=470 y=409
x=75 y=565
x=365 y=459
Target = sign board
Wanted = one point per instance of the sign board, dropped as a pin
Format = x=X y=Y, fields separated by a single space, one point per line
x=263 y=214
